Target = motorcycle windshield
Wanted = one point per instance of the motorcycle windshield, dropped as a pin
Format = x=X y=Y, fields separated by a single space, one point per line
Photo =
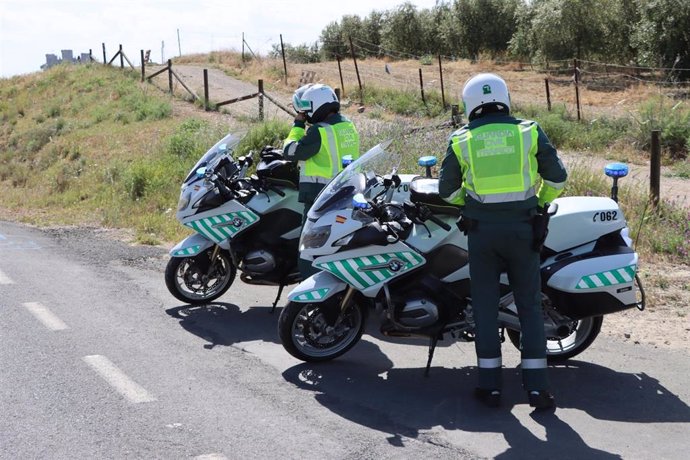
x=360 y=176
x=225 y=146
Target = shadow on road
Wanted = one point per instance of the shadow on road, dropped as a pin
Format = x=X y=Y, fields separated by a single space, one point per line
x=225 y=324
x=365 y=388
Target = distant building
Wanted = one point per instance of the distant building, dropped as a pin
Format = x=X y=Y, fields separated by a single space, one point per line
x=67 y=57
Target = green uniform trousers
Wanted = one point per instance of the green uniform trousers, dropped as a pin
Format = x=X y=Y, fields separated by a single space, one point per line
x=495 y=248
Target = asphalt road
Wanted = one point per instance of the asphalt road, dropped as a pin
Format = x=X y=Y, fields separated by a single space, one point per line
x=98 y=360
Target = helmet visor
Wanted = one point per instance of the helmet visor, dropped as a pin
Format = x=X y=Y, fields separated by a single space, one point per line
x=301 y=105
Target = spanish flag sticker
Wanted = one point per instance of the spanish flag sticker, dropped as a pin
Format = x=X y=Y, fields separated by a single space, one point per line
x=340 y=219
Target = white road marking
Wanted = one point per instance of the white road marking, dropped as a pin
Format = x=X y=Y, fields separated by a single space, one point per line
x=127 y=387
x=45 y=316
x=211 y=457
x=4 y=279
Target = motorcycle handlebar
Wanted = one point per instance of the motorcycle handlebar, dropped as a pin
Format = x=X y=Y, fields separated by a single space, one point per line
x=439 y=222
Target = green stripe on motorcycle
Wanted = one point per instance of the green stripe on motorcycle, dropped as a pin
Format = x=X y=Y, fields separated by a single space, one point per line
x=188 y=251
x=608 y=278
x=316 y=294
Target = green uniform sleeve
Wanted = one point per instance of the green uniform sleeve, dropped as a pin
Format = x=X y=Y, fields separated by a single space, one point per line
x=551 y=170
x=300 y=146
x=450 y=186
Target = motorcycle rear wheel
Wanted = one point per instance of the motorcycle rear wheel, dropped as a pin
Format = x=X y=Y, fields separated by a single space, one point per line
x=583 y=333
x=306 y=334
x=187 y=283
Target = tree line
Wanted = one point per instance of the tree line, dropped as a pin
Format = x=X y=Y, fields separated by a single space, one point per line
x=652 y=33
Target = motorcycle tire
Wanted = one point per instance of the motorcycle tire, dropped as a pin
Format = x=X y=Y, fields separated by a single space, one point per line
x=561 y=349
x=185 y=281
x=306 y=335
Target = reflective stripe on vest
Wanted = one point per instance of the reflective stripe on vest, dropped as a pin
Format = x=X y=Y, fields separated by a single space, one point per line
x=489 y=363
x=498 y=161
x=539 y=363
x=337 y=141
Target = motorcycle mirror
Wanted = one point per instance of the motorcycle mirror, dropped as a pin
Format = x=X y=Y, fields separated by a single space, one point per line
x=201 y=172
x=396 y=180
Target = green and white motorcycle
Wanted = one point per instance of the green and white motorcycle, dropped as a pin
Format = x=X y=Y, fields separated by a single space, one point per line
x=409 y=262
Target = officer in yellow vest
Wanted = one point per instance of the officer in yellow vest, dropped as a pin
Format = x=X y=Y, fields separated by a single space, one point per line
x=321 y=149
x=492 y=168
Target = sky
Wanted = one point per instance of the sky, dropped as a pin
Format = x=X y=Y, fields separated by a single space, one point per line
x=30 y=29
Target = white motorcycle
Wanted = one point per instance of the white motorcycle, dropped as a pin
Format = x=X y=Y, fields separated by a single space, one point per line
x=250 y=224
x=409 y=261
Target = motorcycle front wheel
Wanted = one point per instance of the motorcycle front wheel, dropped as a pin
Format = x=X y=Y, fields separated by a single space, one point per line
x=194 y=282
x=307 y=335
x=558 y=349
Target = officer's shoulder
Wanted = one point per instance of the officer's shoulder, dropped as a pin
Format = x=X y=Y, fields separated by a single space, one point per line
x=459 y=131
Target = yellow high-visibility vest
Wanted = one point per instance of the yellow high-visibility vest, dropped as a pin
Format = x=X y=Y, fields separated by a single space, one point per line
x=498 y=161
x=337 y=141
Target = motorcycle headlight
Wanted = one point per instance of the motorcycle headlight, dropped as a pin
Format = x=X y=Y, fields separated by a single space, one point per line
x=184 y=200
x=316 y=237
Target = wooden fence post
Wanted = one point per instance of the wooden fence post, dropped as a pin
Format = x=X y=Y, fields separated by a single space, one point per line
x=455 y=115
x=122 y=61
x=242 y=47
x=576 y=73
x=170 y=81
x=340 y=72
x=261 y=100
x=421 y=86
x=282 y=51
x=206 y=90
x=143 y=66
x=105 y=61
x=655 y=168
x=548 y=94
x=359 y=80
x=90 y=55
x=440 y=73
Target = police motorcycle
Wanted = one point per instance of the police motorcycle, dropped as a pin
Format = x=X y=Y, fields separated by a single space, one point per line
x=409 y=262
x=251 y=224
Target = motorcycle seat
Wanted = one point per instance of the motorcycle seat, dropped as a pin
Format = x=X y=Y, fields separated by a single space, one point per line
x=424 y=190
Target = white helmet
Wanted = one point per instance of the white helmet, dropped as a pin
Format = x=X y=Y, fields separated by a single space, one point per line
x=484 y=89
x=297 y=97
x=317 y=102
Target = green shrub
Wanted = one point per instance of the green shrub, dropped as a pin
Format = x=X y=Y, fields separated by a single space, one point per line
x=672 y=119
x=271 y=132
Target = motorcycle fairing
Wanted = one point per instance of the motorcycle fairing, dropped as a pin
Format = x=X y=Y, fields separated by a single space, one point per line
x=264 y=203
x=368 y=269
x=223 y=222
x=191 y=246
x=318 y=287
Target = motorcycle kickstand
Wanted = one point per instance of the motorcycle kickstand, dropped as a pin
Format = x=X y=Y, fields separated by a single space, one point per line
x=432 y=348
x=280 y=291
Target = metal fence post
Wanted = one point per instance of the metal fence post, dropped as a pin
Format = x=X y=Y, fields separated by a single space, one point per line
x=282 y=51
x=105 y=61
x=421 y=86
x=122 y=61
x=548 y=94
x=576 y=73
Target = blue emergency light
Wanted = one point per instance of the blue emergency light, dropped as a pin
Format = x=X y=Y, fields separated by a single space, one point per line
x=347 y=159
x=427 y=162
x=616 y=170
